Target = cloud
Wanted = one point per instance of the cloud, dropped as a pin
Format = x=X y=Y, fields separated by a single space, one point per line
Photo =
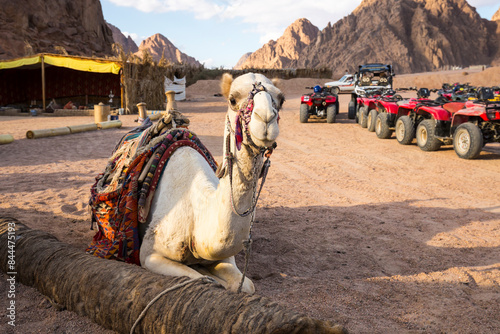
x=135 y=37
x=267 y=18
x=202 y=9
x=479 y=3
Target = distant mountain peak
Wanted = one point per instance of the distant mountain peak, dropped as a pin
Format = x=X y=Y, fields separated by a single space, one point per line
x=127 y=43
x=496 y=16
x=159 y=45
x=280 y=53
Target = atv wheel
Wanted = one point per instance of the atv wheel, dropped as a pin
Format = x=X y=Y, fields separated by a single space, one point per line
x=357 y=114
x=372 y=117
x=381 y=127
x=351 y=111
x=363 y=117
x=304 y=113
x=426 y=139
x=405 y=130
x=468 y=141
x=331 y=113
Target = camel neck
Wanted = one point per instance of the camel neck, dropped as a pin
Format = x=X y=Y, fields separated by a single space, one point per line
x=240 y=177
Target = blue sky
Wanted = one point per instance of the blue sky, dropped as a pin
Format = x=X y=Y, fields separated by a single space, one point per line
x=218 y=32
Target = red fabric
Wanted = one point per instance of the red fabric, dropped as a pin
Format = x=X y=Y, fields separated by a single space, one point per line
x=20 y=85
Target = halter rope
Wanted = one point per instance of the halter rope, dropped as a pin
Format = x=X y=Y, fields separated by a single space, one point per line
x=243 y=118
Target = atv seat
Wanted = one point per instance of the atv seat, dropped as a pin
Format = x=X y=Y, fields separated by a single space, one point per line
x=453 y=107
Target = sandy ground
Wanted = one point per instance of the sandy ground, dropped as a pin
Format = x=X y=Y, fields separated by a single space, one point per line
x=379 y=237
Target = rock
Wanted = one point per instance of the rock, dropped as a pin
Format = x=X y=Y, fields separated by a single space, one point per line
x=127 y=43
x=281 y=53
x=159 y=44
x=413 y=35
x=36 y=21
x=496 y=16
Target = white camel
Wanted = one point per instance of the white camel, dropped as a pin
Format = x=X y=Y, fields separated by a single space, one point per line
x=198 y=222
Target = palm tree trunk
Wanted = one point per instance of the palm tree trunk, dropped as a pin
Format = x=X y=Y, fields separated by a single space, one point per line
x=113 y=294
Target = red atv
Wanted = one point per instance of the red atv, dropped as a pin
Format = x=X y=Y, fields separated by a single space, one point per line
x=476 y=125
x=468 y=125
x=367 y=106
x=390 y=109
x=321 y=103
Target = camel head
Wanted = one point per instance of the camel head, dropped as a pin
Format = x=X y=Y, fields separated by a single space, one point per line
x=254 y=102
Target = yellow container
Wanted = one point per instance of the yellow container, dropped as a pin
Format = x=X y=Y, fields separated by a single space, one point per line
x=101 y=112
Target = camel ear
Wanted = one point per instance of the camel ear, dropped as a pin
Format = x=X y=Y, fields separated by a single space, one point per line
x=225 y=85
x=277 y=83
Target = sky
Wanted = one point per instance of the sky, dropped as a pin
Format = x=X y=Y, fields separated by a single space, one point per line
x=218 y=32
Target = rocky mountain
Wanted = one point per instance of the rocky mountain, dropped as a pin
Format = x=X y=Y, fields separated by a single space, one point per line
x=413 y=35
x=281 y=53
x=241 y=61
x=159 y=45
x=127 y=43
x=496 y=16
x=36 y=26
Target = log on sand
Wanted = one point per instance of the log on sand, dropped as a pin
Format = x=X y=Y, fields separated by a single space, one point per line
x=113 y=294
x=109 y=124
x=6 y=139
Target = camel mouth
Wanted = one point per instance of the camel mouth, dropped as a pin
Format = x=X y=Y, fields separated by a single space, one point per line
x=264 y=134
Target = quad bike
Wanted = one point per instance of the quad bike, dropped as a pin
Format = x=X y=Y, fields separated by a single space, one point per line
x=444 y=94
x=467 y=125
x=390 y=109
x=369 y=77
x=367 y=112
x=476 y=125
x=321 y=103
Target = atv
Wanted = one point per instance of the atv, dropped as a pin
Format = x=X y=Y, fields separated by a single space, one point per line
x=467 y=125
x=367 y=105
x=476 y=125
x=390 y=109
x=320 y=103
x=369 y=77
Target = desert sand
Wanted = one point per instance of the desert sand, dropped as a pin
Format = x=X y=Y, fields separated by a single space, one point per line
x=376 y=236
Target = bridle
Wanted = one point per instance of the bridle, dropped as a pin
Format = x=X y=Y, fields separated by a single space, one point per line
x=243 y=118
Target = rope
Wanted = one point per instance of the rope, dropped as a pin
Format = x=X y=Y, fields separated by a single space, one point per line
x=180 y=285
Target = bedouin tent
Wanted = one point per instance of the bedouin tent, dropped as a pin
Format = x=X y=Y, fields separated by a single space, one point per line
x=47 y=76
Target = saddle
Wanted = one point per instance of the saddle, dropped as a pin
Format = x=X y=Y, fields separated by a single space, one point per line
x=121 y=196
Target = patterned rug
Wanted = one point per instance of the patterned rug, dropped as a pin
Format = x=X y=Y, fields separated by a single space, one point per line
x=121 y=196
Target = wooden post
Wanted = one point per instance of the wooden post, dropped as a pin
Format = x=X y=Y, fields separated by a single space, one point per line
x=43 y=83
x=121 y=88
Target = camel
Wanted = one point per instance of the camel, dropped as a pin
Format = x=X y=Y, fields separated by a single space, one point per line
x=200 y=220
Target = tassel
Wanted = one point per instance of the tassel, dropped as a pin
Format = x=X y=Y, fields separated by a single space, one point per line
x=238 y=133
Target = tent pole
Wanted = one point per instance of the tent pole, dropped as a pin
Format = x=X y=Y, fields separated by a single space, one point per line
x=121 y=88
x=43 y=83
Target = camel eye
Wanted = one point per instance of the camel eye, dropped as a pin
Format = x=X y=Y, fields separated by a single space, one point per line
x=232 y=101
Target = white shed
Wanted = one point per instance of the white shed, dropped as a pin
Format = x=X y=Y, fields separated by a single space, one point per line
x=178 y=86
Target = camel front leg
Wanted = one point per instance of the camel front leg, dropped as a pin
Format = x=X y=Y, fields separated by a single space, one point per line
x=227 y=271
x=161 y=265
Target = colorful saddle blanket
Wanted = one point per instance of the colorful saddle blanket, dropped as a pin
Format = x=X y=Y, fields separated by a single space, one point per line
x=121 y=196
